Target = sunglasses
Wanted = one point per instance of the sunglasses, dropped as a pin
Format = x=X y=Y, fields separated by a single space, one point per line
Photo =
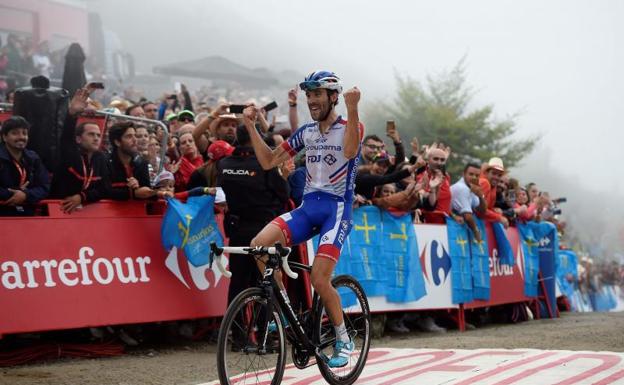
x=185 y=119
x=374 y=147
x=310 y=85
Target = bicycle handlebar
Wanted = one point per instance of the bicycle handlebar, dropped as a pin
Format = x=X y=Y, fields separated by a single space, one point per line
x=278 y=249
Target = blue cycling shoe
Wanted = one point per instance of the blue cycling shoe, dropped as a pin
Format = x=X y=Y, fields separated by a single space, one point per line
x=342 y=352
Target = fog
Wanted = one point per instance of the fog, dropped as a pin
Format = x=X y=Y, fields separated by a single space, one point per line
x=557 y=63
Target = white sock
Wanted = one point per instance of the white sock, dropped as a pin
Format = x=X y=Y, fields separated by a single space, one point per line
x=341 y=333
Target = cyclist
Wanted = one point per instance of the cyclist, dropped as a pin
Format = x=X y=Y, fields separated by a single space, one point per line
x=332 y=147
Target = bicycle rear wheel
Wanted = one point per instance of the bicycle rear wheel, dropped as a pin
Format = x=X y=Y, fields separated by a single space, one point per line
x=240 y=357
x=357 y=319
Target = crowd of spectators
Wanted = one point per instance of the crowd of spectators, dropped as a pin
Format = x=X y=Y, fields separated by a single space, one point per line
x=21 y=58
x=125 y=160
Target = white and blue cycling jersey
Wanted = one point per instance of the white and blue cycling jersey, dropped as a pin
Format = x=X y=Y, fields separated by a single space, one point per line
x=327 y=168
x=328 y=195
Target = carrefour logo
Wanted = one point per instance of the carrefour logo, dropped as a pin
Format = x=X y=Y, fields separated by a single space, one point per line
x=199 y=276
x=435 y=262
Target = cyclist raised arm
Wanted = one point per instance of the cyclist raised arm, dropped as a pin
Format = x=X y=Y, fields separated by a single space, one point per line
x=353 y=132
x=267 y=157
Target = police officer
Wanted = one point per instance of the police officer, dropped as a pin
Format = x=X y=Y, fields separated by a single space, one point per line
x=254 y=197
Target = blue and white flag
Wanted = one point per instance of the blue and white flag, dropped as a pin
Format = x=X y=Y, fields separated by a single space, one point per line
x=367 y=263
x=191 y=227
x=405 y=281
x=505 y=252
x=567 y=262
x=461 y=268
x=480 y=264
x=529 y=244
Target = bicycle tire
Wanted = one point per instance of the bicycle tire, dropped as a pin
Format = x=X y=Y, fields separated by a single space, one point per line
x=358 y=323
x=244 y=318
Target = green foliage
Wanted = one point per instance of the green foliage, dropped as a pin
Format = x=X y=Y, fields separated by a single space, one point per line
x=442 y=110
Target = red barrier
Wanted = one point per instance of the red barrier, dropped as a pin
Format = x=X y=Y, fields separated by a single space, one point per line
x=506 y=283
x=104 y=265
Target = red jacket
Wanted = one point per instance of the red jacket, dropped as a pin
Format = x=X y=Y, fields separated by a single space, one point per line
x=187 y=167
x=490 y=198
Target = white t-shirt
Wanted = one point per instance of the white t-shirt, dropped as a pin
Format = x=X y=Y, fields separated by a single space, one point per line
x=462 y=199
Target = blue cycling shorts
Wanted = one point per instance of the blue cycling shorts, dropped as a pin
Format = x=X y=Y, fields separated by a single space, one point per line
x=320 y=213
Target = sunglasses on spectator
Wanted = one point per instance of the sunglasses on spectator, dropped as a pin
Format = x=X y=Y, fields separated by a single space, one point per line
x=185 y=119
x=374 y=147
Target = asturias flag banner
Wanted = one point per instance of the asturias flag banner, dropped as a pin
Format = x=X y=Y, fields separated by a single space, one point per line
x=191 y=227
x=461 y=268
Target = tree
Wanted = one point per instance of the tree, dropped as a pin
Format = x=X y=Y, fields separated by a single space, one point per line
x=440 y=112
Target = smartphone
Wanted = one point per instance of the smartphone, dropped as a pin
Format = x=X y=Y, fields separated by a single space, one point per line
x=237 y=108
x=172 y=96
x=96 y=85
x=270 y=106
x=390 y=125
x=177 y=86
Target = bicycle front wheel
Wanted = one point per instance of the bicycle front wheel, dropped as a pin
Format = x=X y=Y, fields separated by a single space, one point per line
x=243 y=357
x=357 y=320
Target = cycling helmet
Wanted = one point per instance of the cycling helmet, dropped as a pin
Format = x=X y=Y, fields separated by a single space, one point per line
x=321 y=79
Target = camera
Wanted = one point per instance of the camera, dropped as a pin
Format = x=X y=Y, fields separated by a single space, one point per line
x=509 y=213
x=553 y=208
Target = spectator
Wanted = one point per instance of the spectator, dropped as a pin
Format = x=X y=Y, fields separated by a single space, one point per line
x=224 y=128
x=172 y=123
x=136 y=111
x=185 y=117
x=189 y=161
x=142 y=137
x=164 y=184
x=150 y=109
x=82 y=176
x=41 y=60
x=129 y=172
x=206 y=130
x=525 y=210
x=467 y=197
x=14 y=55
x=365 y=182
x=371 y=146
x=438 y=203
x=488 y=181
x=206 y=175
x=254 y=197
x=533 y=192
x=23 y=177
x=153 y=157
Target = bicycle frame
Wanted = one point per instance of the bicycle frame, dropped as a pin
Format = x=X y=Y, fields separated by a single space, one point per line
x=273 y=292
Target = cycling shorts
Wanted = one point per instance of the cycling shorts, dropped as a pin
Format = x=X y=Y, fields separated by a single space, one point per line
x=320 y=213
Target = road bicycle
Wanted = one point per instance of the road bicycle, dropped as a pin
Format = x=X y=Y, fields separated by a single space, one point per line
x=252 y=339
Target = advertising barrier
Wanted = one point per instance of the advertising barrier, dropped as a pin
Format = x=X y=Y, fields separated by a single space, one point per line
x=105 y=265
x=96 y=268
